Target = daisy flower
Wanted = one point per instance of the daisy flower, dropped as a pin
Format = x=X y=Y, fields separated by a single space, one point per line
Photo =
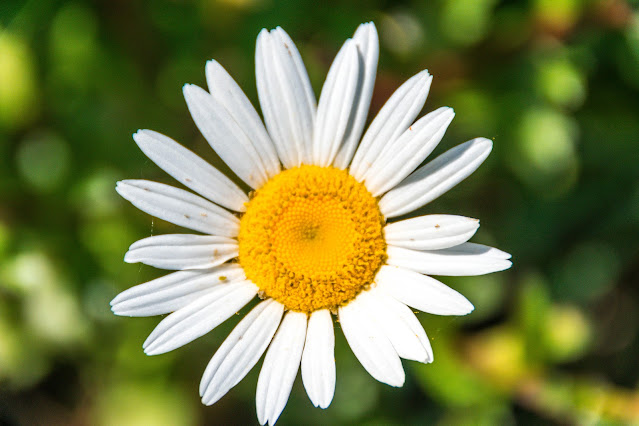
x=315 y=238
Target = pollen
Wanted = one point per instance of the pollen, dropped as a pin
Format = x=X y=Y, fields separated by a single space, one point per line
x=312 y=238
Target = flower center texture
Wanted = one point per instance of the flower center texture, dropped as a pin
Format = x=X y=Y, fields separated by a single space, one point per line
x=312 y=238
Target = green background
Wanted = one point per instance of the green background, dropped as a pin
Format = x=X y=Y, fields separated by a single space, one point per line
x=555 y=84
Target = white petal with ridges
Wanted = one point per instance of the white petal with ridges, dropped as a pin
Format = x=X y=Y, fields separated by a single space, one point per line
x=289 y=154
x=226 y=136
x=227 y=92
x=182 y=251
x=199 y=317
x=393 y=119
x=435 y=178
x=336 y=105
x=280 y=367
x=286 y=96
x=240 y=351
x=399 y=324
x=421 y=292
x=402 y=156
x=462 y=260
x=431 y=232
x=173 y=291
x=318 y=359
x=367 y=43
x=190 y=170
x=370 y=344
x=179 y=207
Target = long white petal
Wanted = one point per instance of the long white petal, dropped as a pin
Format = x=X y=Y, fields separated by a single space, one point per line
x=226 y=136
x=421 y=292
x=318 y=360
x=400 y=157
x=435 y=178
x=227 y=92
x=431 y=232
x=464 y=259
x=392 y=120
x=336 y=105
x=367 y=43
x=370 y=344
x=179 y=207
x=480 y=249
x=190 y=170
x=280 y=367
x=240 y=351
x=399 y=324
x=182 y=251
x=199 y=317
x=286 y=96
x=173 y=291
x=289 y=155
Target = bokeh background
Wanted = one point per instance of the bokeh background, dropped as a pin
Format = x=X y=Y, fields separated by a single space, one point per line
x=555 y=83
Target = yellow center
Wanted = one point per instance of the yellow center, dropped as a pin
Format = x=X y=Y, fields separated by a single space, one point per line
x=312 y=238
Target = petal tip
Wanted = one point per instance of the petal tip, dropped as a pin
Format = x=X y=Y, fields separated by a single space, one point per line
x=120 y=188
x=467 y=308
x=187 y=89
x=484 y=142
x=151 y=348
x=115 y=301
x=399 y=382
x=129 y=258
x=119 y=311
x=263 y=33
x=424 y=75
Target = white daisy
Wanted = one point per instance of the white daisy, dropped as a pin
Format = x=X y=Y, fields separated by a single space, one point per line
x=313 y=240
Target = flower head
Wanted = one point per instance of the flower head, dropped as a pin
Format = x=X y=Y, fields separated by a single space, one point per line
x=316 y=237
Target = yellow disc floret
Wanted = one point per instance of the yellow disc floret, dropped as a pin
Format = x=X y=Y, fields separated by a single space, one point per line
x=312 y=238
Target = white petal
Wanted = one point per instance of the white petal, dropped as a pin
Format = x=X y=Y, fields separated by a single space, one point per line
x=190 y=170
x=400 y=325
x=421 y=292
x=370 y=344
x=392 y=120
x=367 y=43
x=400 y=157
x=179 y=207
x=182 y=251
x=280 y=367
x=226 y=136
x=464 y=259
x=336 y=105
x=480 y=249
x=318 y=360
x=431 y=232
x=435 y=178
x=199 y=317
x=240 y=351
x=227 y=92
x=286 y=96
x=172 y=292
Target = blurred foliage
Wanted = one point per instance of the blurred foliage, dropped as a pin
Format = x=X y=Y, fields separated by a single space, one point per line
x=555 y=83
